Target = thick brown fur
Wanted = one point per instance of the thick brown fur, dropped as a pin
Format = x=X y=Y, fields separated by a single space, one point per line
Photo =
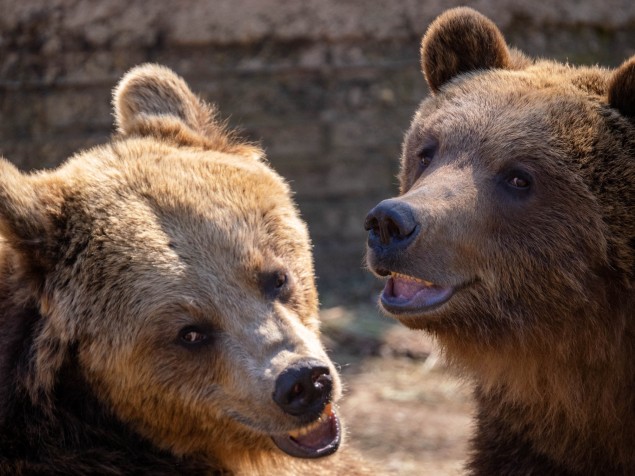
x=543 y=313
x=103 y=263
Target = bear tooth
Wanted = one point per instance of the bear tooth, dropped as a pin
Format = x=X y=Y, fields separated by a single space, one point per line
x=412 y=278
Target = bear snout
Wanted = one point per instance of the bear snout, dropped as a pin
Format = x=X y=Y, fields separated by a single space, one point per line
x=304 y=388
x=391 y=226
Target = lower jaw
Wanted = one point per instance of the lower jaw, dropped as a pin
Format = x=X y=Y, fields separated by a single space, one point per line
x=330 y=432
x=404 y=309
x=401 y=311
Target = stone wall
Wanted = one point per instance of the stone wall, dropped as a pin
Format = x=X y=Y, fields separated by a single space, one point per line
x=327 y=86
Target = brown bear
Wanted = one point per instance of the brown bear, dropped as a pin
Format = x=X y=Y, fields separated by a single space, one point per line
x=158 y=313
x=512 y=241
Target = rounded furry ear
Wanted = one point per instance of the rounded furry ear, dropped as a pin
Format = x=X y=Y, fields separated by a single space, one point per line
x=151 y=100
x=23 y=221
x=150 y=91
x=621 y=92
x=458 y=41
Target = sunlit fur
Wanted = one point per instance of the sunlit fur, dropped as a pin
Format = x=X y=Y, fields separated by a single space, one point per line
x=543 y=318
x=105 y=259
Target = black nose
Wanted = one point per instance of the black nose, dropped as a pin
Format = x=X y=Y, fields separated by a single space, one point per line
x=391 y=223
x=303 y=388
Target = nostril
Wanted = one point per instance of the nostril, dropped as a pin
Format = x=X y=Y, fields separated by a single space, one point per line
x=322 y=381
x=400 y=223
x=371 y=223
x=390 y=222
x=392 y=229
x=303 y=388
x=319 y=372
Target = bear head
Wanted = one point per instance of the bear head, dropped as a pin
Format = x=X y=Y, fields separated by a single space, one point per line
x=172 y=268
x=514 y=226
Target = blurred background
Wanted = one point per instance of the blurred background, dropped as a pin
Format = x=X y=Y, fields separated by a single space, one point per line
x=328 y=87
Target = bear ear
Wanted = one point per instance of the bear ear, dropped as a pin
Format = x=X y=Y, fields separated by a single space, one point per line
x=151 y=100
x=152 y=91
x=621 y=91
x=458 y=41
x=24 y=222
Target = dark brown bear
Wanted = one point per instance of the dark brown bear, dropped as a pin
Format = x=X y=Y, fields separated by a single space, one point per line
x=512 y=241
x=158 y=312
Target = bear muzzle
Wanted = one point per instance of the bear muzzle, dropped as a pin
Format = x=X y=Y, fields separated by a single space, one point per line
x=305 y=390
x=393 y=229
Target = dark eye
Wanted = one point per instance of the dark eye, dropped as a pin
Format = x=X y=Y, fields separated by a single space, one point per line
x=426 y=154
x=276 y=284
x=519 y=180
x=280 y=280
x=192 y=335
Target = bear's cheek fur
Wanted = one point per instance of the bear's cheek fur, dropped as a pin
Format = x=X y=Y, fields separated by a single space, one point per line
x=185 y=398
x=176 y=397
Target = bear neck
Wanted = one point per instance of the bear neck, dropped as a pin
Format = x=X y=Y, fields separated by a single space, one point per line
x=570 y=398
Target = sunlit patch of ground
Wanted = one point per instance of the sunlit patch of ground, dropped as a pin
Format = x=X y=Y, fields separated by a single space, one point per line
x=402 y=407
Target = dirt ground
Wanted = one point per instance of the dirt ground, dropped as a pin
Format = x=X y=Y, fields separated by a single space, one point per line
x=402 y=407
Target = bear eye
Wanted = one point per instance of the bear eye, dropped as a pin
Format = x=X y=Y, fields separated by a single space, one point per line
x=280 y=280
x=519 y=180
x=425 y=155
x=276 y=284
x=192 y=335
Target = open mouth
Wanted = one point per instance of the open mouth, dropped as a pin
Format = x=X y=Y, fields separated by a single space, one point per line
x=406 y=294
x=320 y=438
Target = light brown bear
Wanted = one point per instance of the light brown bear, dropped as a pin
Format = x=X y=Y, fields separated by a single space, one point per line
x=513 y=242
x=158 y=313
